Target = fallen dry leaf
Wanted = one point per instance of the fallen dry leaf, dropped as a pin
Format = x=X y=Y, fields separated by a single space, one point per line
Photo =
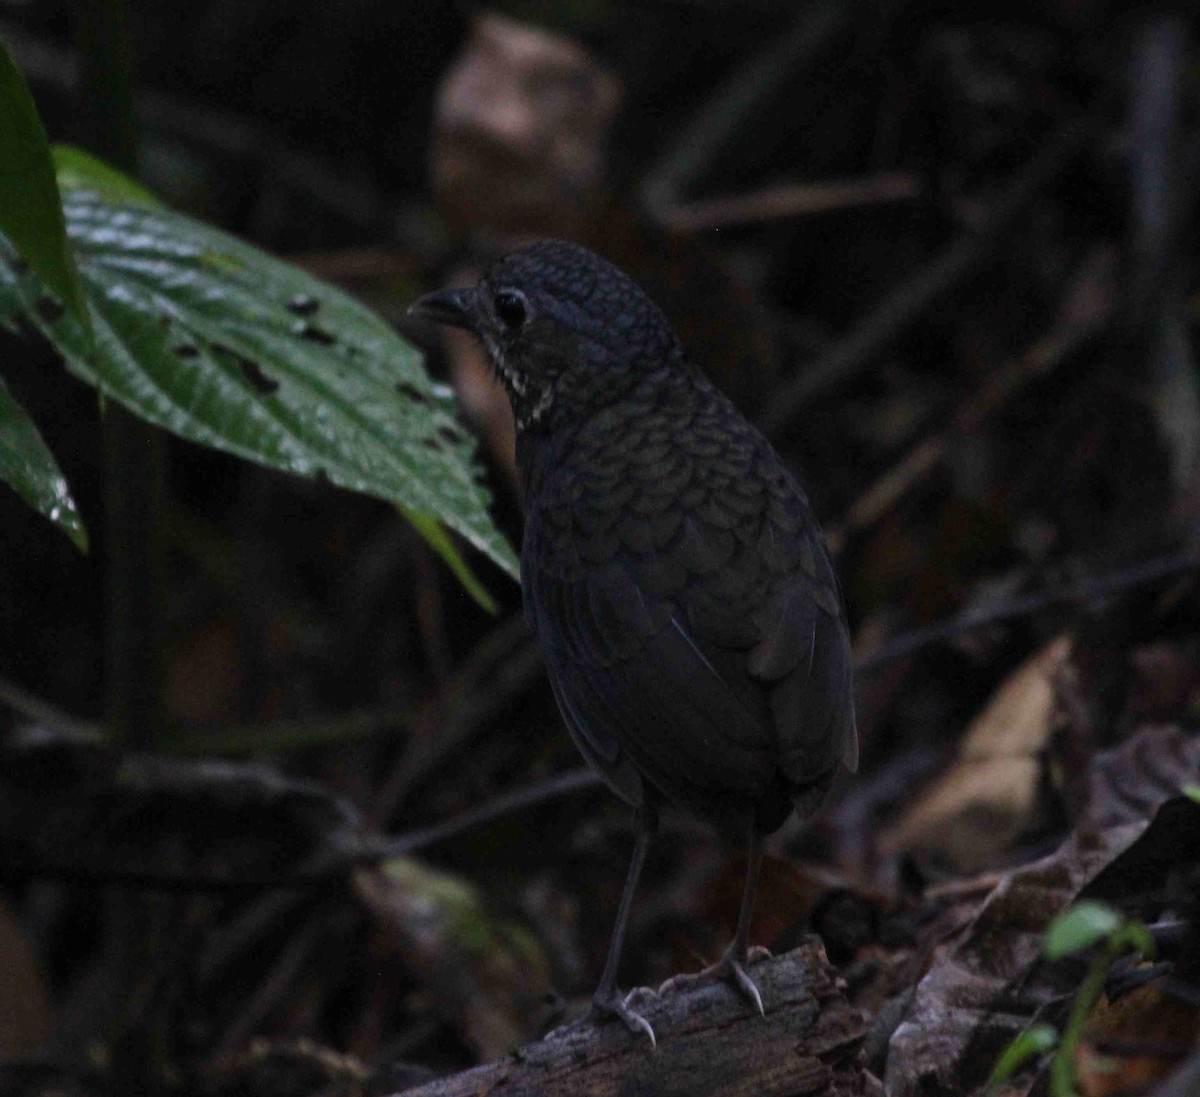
x=989 y=795
x=1135 y=1043
x=25 y=1009
x=973 y=1001
x=521 y=122
x=993 y=982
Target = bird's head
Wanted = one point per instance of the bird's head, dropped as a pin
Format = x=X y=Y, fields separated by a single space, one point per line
x=564 y=329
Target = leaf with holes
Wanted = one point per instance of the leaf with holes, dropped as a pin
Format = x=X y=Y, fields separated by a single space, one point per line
x=223 y=345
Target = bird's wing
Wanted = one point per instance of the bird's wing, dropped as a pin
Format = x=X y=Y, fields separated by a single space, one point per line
x=804 y=660
x=802 y=653
x=635 y=687
x=688 y=611
x=781 y=636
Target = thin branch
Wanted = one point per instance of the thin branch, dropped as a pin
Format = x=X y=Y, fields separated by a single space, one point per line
x=721 y=118
x=564 y=784
x=948 y=272
x=365 y=264
x=51 y=716
x=321 y=875
x=270 y=737
x=195 y=125
x=1157 y=166
x=277 y=983
x=334 y=866
x=1091 y=589
x=1084 y=312
x=275 y=736
x=794 y=200
x=502 y=666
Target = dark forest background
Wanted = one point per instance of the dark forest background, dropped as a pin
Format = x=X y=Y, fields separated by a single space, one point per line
x=945 y=254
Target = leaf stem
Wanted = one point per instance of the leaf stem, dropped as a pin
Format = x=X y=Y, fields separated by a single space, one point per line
x=134 y=451
x=1062 y=1067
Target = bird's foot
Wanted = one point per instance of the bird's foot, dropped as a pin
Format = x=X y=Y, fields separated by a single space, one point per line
x=613 y=1005
x=730 y=966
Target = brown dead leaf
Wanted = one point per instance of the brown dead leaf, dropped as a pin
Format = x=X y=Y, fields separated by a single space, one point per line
x=982 y=992
x=25 y=1013
x=1131 y=780
x=1017 y=720
x=989 y=795
x=1135 y=1043
x=521 y=121
x=1185 y=1082
x=971 y=1003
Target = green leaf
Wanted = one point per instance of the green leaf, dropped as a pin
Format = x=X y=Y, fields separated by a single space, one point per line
x=79 y=170
x=439 y=540
x=27 y=465
x=223 y=345
x=1034 y=1041
x=1192 y=792
x=30 y=213
x=1133 y=936
x=1085 y=924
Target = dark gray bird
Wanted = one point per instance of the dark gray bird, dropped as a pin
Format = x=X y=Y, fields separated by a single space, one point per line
x=681 y=593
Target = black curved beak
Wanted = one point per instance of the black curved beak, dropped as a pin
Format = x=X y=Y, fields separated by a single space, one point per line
x=451 y=306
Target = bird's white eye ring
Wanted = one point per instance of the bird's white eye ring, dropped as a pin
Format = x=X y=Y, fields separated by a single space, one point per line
x=511 y=307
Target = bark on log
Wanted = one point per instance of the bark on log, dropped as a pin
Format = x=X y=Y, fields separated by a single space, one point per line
x=711 y=1043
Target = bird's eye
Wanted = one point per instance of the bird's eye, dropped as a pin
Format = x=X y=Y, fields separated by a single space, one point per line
x=511 y=307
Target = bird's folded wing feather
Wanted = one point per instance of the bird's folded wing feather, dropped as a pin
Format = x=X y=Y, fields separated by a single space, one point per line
x=709 y=648
x=803 y=650
x=631 y=682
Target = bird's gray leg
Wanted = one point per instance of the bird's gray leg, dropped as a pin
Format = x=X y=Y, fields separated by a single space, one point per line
x=738 y=952
x=607 y=998
x=733 y=963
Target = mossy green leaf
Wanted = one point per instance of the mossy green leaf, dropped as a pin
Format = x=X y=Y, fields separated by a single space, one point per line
x=30 y=211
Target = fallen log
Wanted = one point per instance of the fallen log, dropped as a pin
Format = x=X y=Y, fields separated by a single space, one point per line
x=710 y=1044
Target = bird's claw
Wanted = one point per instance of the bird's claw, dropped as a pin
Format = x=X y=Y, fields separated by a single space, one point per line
x=614 y=1005
x=746 y=985
x=731 y=967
